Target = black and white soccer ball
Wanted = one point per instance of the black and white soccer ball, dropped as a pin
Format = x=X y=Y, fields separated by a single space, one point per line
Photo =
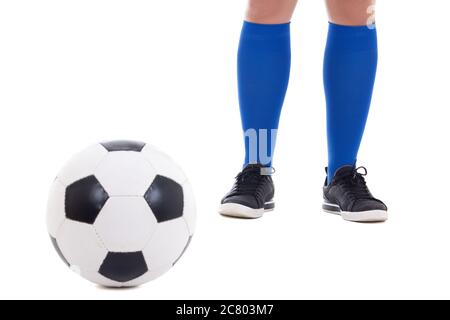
x=121 y=213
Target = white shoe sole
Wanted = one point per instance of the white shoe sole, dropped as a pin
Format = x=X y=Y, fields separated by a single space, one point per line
x=236 y=210
x=362 y=216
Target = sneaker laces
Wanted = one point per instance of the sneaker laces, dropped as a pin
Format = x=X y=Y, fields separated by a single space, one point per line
x=250 y=181
x=354 y=184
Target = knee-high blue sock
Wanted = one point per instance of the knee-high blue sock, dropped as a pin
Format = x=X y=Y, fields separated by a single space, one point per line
x=349 y=74
x=264 y=61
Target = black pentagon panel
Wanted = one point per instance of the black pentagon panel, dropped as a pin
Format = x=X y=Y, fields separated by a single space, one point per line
x=123 y=145
x=58 y=250
x=123 y=266
x=165 y=198
x=184 y=250
x=84 y=200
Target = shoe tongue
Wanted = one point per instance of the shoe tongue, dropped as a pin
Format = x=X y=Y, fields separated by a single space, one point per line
x=260 y=169
x=253 y=165
x=344 y=171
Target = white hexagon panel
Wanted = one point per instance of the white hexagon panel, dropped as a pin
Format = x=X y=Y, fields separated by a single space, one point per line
x=55 y=207
x=149 y=276
x=125 y=173
x=96 y=277
x=168 y=244
x=82 y=164
x=163 y=164
x=125 y=224
x=80 y=245
x=189 y=209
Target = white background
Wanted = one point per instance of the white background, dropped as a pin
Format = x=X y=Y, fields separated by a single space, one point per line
x=77 y=72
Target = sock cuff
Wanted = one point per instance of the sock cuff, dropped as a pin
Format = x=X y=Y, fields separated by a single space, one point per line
x=344 y=29
x=266 y=29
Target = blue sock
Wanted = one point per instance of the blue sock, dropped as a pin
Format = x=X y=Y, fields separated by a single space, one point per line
x=264 y=61
x=349 y=74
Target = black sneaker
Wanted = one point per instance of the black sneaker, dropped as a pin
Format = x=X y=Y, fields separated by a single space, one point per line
x=251 y=195
x=349 y=196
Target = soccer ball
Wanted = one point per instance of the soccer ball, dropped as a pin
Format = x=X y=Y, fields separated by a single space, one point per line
x=121 y=213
